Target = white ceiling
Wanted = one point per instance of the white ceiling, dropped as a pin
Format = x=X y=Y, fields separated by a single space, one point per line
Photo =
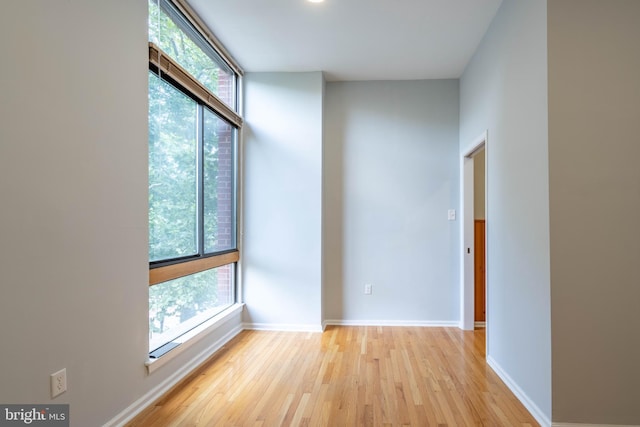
x=351 y=39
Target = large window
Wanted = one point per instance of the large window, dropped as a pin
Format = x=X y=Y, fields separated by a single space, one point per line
x=193 y=138
x=191 y=177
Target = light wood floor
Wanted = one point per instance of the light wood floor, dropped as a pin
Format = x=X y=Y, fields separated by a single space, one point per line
x=346 y=376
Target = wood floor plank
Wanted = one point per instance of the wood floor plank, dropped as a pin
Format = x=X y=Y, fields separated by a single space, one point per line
x=346 y=376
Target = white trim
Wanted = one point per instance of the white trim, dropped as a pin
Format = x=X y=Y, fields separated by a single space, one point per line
x=240 y=202
x=480 y=324
x=467 y=239
x=477 y=144
x=421 y=323
x=283 y=327
x=592 y=425
x=193 y=336
x=157 y=392
x=519 y=393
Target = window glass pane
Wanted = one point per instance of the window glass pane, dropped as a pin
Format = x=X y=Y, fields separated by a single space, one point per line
x=179 y=305
x=172 y=172
x=219 y=184
x=171 y=32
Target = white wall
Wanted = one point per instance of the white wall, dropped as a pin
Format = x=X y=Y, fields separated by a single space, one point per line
x=504 y=90
x=594 y=147
x=478 y=185
x=390 y=175
x=282 y=266
x=73 y=223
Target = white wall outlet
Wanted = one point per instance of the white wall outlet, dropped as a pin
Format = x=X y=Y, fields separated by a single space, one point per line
x=367 y=289
x=58 y=382
x=452 y=215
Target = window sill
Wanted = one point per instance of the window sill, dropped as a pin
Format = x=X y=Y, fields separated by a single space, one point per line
x=194 y=336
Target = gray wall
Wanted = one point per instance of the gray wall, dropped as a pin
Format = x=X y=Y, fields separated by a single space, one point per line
x=504 y=90
x=73 y=223
x=594 y=147
x=390 y=175
x=282 y=266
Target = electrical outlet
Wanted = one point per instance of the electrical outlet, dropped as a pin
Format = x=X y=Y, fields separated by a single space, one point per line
x=451 y=215
x=367 y=289
x=58 y=382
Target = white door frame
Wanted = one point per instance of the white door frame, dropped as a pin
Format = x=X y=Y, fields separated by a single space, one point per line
x=466 y=234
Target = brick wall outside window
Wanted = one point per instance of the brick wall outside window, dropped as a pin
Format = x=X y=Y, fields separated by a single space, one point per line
x=225 y=189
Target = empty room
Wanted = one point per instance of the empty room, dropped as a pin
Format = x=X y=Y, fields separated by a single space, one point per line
x=320 y=213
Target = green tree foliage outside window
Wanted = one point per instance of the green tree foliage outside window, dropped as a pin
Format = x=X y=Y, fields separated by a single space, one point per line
x=172 y=172
x=168 y=36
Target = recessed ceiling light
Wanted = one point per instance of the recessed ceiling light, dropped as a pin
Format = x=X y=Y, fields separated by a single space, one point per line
x=315 y=1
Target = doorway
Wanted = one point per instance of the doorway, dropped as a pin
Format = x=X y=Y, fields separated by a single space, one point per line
x=479 y=239
x=474 y=225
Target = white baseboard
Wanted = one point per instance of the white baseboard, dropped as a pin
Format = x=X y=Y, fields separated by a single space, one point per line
x=519 y=393
x=423 y=323
x=591 y=425
x=283 y=327
x=155 y=393
x=336 y=322
x=480 y=324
